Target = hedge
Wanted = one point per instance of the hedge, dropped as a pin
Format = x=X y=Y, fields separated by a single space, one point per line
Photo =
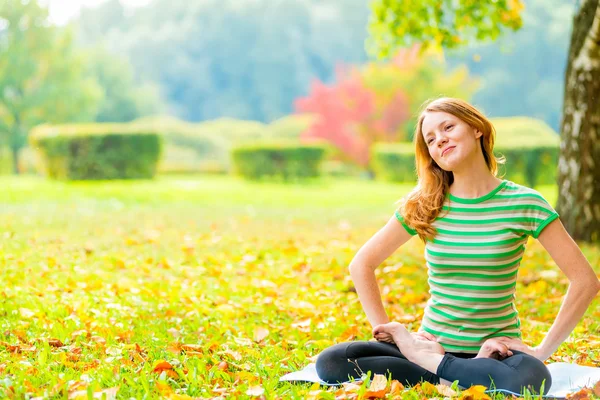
x=97 y=151
x=287 y=161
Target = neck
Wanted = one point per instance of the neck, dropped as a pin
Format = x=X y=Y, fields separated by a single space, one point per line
x=473 y=180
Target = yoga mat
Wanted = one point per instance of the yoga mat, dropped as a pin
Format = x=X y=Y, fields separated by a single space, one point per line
x=566 y=378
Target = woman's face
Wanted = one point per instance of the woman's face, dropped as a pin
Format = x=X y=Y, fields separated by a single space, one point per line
x=450 y=140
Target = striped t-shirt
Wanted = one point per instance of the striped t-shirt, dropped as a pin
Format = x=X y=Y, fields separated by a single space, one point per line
x=473 y=262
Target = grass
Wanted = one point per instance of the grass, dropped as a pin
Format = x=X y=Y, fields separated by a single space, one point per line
x=210 y=286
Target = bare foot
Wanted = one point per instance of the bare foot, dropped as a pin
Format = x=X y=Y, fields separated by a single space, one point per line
x=427 y=354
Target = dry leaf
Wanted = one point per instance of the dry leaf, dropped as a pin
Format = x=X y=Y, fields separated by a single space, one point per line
x=377 y=388
x=597 y=389
x=260 y=334
x=583 y=394
x=476 y=392
x=428 y=389
x=396 y=387
x=26 y=313
x=191 y=347
x=55 y=343
x=255 y=391
x=445 y=391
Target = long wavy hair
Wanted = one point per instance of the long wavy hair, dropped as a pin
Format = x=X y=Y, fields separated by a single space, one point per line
x=424 y=203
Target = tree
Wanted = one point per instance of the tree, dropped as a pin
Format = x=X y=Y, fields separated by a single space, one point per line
x=579 y=162
x=124 y=99
x=400 y=23
x=377 y=102
x=42 y=77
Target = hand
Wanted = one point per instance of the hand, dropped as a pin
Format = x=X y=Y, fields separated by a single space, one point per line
x=383 y=337
x=422 y=335
x=517 y=344
x=494 y=348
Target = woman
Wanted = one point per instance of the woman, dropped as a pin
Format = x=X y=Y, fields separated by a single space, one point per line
x=475 y=227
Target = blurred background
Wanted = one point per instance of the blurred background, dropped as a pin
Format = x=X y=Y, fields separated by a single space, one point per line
x=247 y=87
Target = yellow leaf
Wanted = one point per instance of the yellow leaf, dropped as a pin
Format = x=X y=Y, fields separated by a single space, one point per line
x=476 y=392
x=428 y=389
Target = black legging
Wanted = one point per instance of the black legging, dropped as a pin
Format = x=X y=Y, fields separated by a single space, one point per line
x=347 y=360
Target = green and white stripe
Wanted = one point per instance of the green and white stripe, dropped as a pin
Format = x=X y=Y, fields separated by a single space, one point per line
x=473 y=264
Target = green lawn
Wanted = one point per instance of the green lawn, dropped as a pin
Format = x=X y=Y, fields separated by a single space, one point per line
x=210 y=286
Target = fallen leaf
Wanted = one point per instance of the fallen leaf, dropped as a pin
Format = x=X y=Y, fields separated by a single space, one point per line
x=476 y=392
x=583 y=394
x=260 y=334
x=445 y=391
x=255 y=391
x=191 y=347
x=428 y=389
x=377 y=388
x=26 y=313
x=396 y=387
x=55 y=343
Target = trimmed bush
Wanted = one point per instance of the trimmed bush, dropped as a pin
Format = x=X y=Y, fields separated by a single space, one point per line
x=531 y=149
x=394 y=162
x=97 y=151
x=287 y=161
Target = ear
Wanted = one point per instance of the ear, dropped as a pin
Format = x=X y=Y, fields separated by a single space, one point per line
x=478 y=134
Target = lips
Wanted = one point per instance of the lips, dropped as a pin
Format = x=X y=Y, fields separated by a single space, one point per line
x=447 y=149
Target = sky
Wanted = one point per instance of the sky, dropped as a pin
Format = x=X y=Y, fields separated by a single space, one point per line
x=61 y=11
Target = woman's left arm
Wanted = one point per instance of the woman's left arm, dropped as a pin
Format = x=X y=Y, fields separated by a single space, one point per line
x=583 y=286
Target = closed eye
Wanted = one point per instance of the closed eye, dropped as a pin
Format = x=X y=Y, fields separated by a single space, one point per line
x=449 y=126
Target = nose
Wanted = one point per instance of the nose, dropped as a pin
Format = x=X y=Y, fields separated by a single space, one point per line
x=441 y=140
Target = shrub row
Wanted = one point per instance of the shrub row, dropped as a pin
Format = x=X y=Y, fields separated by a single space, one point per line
x=97 y=151
x=286 y=161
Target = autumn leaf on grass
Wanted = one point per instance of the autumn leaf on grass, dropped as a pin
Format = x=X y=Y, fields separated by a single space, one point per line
x=445 y=391
x=597 y=389
x=106 y=394
x=55 y=343
x=260 y=334
x=26 y=313
x=350 y=334
x=192 y=350
x=476 y=392
x=428 y=389
x=396 y=387
x=377 y=388
x=255 y=391
x=583 y=394
x=164 y=366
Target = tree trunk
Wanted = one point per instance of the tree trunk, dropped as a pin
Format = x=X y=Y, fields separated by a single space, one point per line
x=15 y=159
x=579 y=161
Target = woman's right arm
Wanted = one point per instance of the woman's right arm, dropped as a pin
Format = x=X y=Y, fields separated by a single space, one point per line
x=362 y=268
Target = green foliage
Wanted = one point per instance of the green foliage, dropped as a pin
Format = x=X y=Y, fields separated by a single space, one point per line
x=205 y=146
x=287 y=161
x=420 y=77
x=214 y=75
x=523 y=72
x=447 y=24
x=141 y=266
x=94 y=152
x=529 y=146
x=124 y=99
x=394 y=162
x=42 y=76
